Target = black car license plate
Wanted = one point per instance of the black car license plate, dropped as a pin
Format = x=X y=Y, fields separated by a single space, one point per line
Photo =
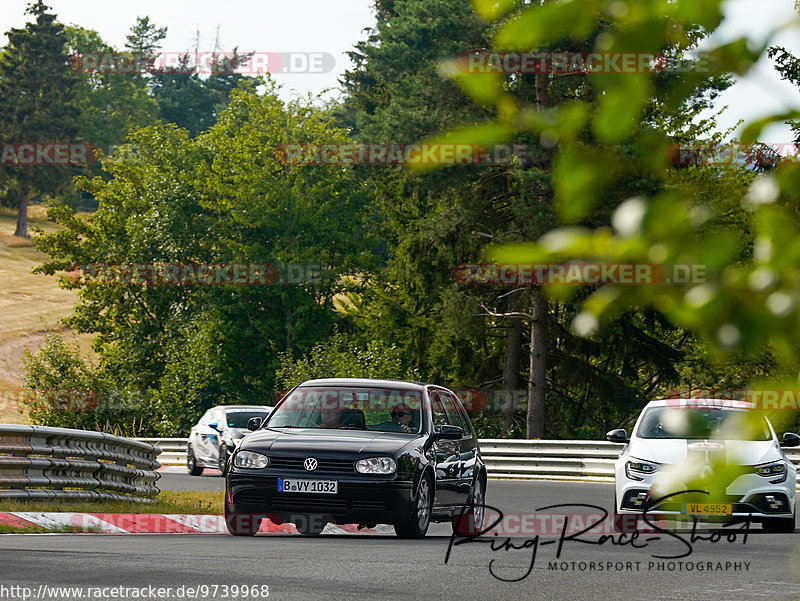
x=323 y=487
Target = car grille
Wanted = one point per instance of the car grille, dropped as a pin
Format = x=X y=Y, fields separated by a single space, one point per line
x=369 y=505
x=340 y=466
x=300 y=502
x=308 y=503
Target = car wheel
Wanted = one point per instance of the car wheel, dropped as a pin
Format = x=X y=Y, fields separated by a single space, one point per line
x=223 y=459
x=310 y=525
x=471 y=521
x=779 y=525
x=417 y=525
x=191 y=463
x=242 y=524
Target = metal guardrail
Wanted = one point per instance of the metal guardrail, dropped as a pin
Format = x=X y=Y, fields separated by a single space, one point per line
x=550 y=459
x=60 y=463
x=504 y=458
x=588 y=460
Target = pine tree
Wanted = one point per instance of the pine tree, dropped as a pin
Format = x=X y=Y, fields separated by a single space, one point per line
x=36 y=105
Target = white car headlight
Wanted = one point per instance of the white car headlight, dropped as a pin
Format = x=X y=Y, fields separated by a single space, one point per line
x=376 y=465
x=639 y=466
x=250 y=460
x=774 y=469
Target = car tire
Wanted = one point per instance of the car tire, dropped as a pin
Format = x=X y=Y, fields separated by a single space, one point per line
x=779 y=525
x=242 y=524
x=310 y=527
x=471 y=521
x=420 y=519
x=222 y=462
x=191 y=463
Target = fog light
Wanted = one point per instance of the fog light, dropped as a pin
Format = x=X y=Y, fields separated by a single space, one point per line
x=773 y=502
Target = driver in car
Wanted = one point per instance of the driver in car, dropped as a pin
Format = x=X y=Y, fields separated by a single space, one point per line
x=401 y=415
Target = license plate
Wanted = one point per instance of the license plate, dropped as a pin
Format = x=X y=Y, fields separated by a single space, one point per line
x=322 y=487
x=708 y=508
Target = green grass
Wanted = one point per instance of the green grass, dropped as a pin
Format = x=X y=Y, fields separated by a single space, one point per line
x=168 y=501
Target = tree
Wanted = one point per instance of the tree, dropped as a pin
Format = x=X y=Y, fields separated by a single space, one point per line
x=473 y=335
x=37 y=105
x=110 y=103
x=222 y=198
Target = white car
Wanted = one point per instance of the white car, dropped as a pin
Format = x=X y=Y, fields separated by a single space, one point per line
x=727 y=453
x=213 y=439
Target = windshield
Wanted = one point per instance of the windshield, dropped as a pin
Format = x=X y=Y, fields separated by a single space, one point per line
x=239 y=419
x=722 y=424
x=350 y=408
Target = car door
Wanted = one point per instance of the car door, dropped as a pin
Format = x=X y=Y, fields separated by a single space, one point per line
x=467 y=447
x=447 y=456
x=207 y=438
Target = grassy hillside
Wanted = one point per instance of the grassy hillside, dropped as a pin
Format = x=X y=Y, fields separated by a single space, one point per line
x=29 y=304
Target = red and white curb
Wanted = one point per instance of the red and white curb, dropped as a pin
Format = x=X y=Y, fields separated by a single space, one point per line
x=154 y=523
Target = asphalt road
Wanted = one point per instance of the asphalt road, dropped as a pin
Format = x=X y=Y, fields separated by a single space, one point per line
x=382 y=567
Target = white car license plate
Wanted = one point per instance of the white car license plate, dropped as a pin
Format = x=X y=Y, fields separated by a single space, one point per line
x=323 y=487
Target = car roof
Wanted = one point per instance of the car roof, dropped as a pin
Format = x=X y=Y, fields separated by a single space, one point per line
x=259 y=407
x=365 y=382
x=699 y=403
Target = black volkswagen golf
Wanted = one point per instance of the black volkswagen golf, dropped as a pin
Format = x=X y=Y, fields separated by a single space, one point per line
x=358 y=451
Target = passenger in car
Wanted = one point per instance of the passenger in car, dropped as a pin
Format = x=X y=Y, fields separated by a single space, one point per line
x=330 y=418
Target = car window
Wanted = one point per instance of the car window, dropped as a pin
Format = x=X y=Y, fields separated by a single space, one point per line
x=345 y=407
x=438 y=413
x=452 y=411
x=238 y=418
x=690 y=423
x=217 y=417
x=456 y=410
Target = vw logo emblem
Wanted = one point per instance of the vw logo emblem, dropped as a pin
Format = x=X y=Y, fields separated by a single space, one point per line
x=310 y=464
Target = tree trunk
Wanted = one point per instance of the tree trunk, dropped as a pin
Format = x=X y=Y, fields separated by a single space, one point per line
x=22 y=215
x=511 y=370
x=537 y=384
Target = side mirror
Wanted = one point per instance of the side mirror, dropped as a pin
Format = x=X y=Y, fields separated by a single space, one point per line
x=215 y=426
x=790 y=439
x=617 y=436
x=447 y=432
x=254 y=423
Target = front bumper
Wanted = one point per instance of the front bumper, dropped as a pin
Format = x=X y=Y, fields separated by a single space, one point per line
x=360 y=499
x=749 y=495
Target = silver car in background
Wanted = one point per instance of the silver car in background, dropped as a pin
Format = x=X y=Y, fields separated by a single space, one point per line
x=213 y=439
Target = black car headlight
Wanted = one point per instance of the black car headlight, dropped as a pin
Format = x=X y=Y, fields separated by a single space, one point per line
x=773 y=469
x=638 y=466
x=250 y=460
x=376 y=465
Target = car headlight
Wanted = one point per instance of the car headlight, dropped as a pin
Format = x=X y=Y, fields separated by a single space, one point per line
x=376 y=465
x=773 y=469
x=250 y=460
x=639 y=466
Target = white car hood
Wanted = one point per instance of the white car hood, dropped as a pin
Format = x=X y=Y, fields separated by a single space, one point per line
x=672 y=451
